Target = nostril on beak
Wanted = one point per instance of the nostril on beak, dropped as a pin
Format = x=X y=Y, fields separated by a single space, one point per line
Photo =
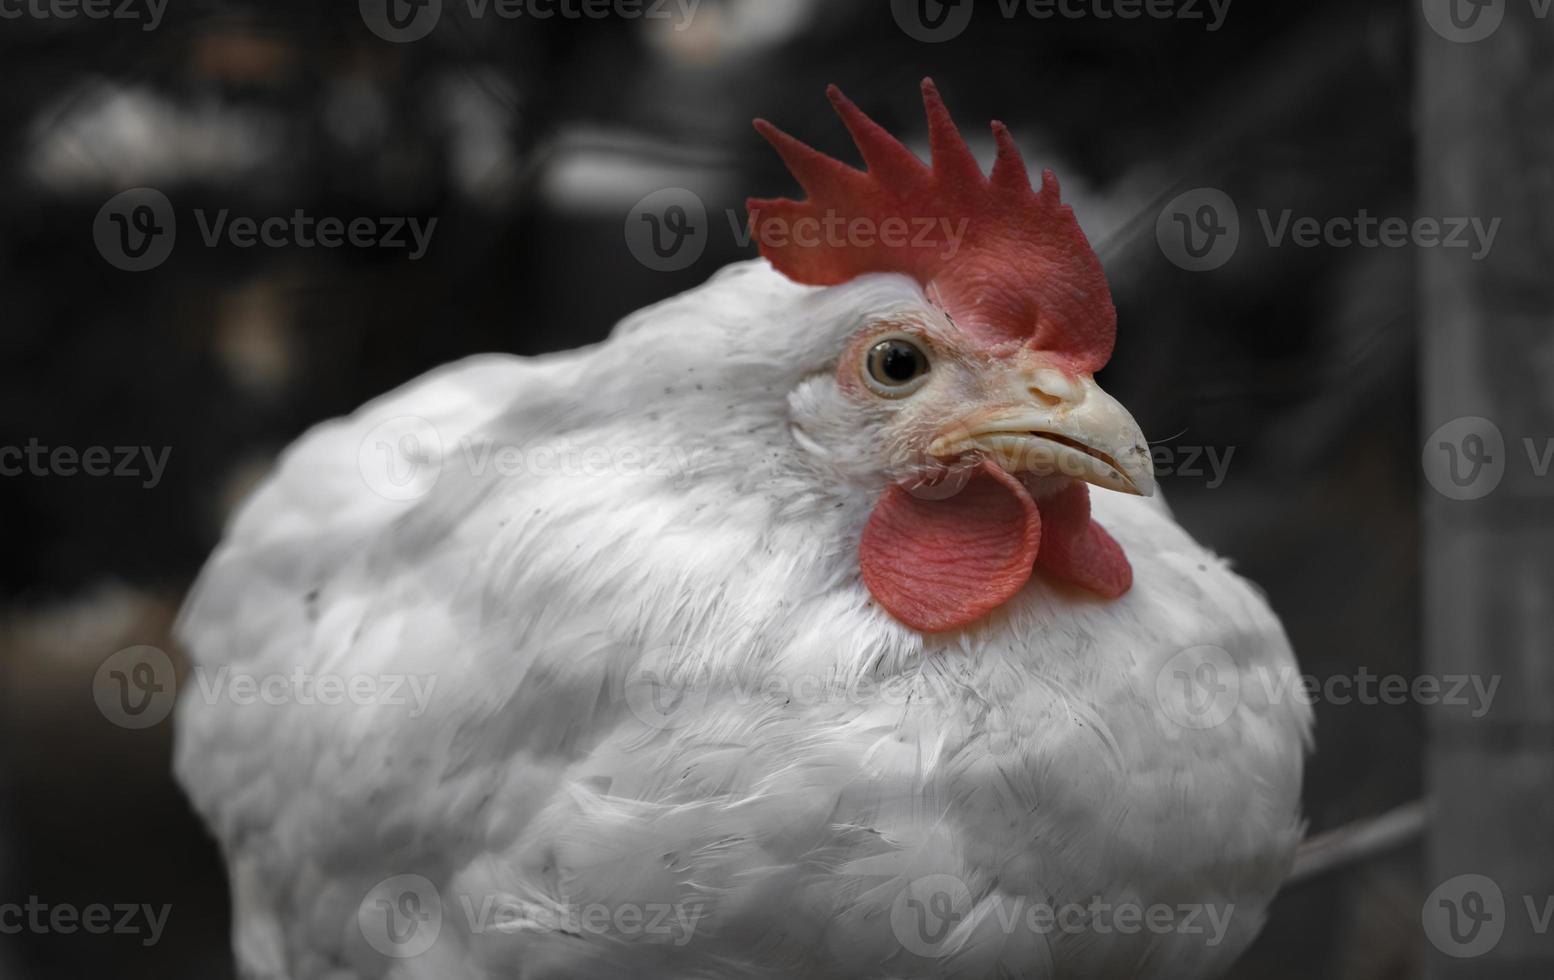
x=1051 y=388
x=1042 y=396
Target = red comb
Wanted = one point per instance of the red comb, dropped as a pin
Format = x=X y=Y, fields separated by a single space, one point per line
x=1023 y=270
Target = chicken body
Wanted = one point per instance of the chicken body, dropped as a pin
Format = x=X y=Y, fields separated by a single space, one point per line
x=646 y=721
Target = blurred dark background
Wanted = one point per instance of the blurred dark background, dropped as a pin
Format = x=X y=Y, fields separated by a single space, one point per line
x=530 y=141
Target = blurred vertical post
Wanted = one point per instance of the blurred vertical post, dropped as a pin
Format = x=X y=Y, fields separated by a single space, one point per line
x=1486 y=152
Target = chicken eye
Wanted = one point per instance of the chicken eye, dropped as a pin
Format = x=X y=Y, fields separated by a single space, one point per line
x=896 y=367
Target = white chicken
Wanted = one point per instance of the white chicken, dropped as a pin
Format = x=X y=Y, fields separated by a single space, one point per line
x=771 y=637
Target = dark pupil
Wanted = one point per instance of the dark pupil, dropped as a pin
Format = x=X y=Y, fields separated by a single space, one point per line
x=900 y=362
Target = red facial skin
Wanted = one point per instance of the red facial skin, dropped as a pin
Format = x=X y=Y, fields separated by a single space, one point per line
x=1022 y=276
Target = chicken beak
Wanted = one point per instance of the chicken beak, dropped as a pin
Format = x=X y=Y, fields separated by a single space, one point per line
x=1057 y=424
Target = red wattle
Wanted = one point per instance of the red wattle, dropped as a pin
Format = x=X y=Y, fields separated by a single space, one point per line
x=940 y=564
x=1076 y=549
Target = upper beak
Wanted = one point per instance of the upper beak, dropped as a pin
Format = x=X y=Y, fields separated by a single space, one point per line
x=1058 y=425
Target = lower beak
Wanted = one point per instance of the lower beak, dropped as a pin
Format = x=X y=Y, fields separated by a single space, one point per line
x=1085 y=434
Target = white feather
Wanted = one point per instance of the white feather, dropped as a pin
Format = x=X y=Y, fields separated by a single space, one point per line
x=1027 y=756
